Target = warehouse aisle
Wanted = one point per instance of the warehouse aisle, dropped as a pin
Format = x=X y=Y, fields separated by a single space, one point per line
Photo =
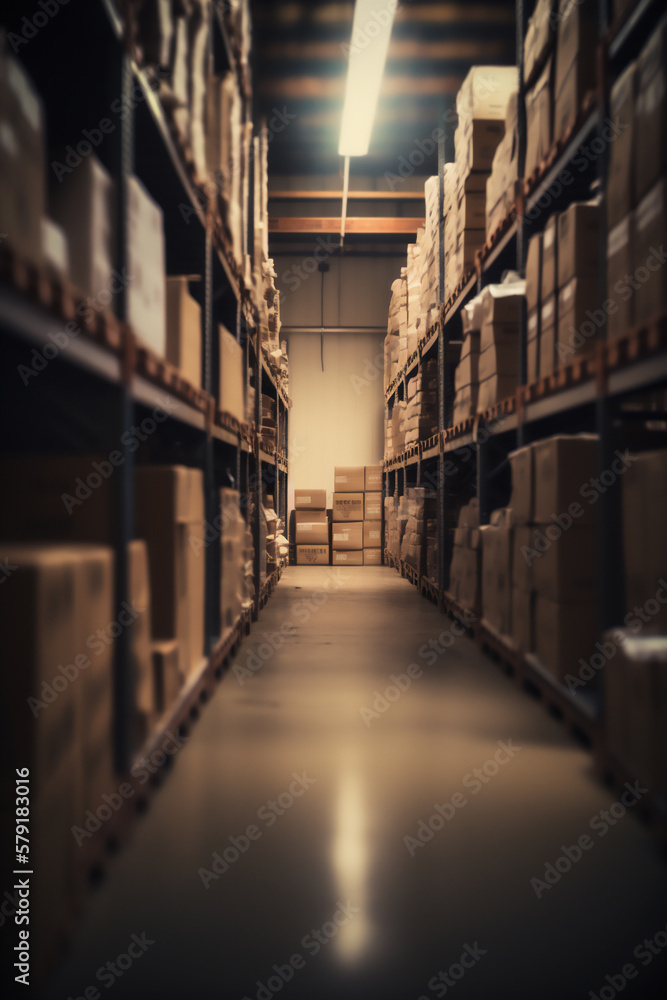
x=308 y=802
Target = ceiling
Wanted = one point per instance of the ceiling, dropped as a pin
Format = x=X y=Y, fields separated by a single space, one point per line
x=300 y=67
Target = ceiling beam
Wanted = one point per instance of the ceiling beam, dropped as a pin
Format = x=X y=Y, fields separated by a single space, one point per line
x=321 y=224
x=352 y=195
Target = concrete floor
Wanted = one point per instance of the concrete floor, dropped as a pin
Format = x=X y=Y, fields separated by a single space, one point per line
x=331 y=884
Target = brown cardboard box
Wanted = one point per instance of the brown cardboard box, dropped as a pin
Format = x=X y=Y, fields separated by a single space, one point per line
x=184 y=329
x=578 y=229
x=644 y=497
x=167 y=679
x=169 y=515
x=480 y=140
x=372 y=557
x=472 y=210
x=523 y=619
x=469 y=514
x=232 y=541
x=310 y=517
x=576 y=44
x=523 y=484
x=566 y=571
x=349 y=479
x=577 y=312
x=310 y=499
x=534 y=273
x=348 y=558
x=348 y=535
x=533 y=346
x=484 y=93
x=547 y=346
x=312 y=533
x=348 y=507
x=569 y=101
x=500 y=359
x=620 y=262
x=372 y=506
x=22 y=158
x=539 y=119
x=470 y=581
x=539 y=38
x=373 y=478
x=648 y=252
x=494 y=389
x=231 y=388
x=497 y=577
x=620 y=178
x=550 y=258
x=143 y=694
x=524 y=557
x=312 y=555
x=564 y=464
x=564 y=633
x=372 y=534
x=146 y=262
x=650 y=126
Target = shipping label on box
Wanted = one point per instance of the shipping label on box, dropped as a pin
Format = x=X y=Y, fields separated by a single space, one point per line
x=372 y=506
x=349 y=479
x=310 y=499
x=373 y=478
x=347 y=557
x=348 y=506
x=312 y=555
x=348 y=535
x=372 y=534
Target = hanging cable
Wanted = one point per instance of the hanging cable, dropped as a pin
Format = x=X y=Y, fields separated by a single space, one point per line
x=322 y=267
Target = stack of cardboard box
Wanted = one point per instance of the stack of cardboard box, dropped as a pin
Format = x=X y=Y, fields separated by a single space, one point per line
x=496 y=542
x=413 y=274
x=230 y=382
x=396 y=427
x=232 y=539
x=393 y=538
x=466 y=374
x=644 y=493
x=430 y=287
x=502 y=181
x=419 y=507
x=554 y=563
x=183 y=348
x=421 y=416
x=578 y=316
x=533 y=306
x=538 y=66
x=499 y=341
x=391 y=343
x=575 y=69
x=357 y=515
x=465 y=575
x=450 y=228
x=312 y=527
x=267 y=429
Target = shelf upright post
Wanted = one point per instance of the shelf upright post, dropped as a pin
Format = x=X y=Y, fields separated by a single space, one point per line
x=211 y=492
x=441 y=496
x=124 y=475
x=521 y=235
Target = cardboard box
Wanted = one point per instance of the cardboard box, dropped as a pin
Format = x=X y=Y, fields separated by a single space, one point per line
x=143 y=691
x=83 y=204
x=650 y=126
x=550 y=258
x=644 y=499
x=497 y=577
x=372 y=557
x=564 y=633
x=348 y=507
x=578 y=84
x=485 y=92
x=469 y=514
x=146 y=261
x=533 y=346
x=494 y=389
x=372 y=506
x=523 y=484
x=566 y=571
x=348 y=558
x=231 y=396
x=167 y=679
x=524 y=557
x=620 y=262
x=577 y=312
x=564 y=465
x=372 y=534
x=539 y=119
x=576 y=44
x=310 y=499
x=539 y=38
x=309 y=516
x=232 y=543
x=472 y=210
x=650 y=299
x=534 y=273
x=547 y=348
x=523 y=619
x=578 y=239
x=470 y=579
x=348 y=535
x=169 y=515
x=184 y=329
x=349 y=479
x=22 y=158
x=312 y=555
x=373 y=478
x=312 y=533
x=500 y=359
x=620 y=195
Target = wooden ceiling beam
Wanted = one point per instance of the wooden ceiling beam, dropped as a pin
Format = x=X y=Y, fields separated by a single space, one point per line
x=352 y=195
x=321 y=224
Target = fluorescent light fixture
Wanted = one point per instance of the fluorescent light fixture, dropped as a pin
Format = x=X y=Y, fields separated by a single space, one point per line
x=371 y=31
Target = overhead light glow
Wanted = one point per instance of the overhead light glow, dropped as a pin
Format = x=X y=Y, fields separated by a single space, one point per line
x=371 y=31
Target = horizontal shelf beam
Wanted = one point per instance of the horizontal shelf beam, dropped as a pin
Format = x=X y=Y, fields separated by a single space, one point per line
x=322 y=224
